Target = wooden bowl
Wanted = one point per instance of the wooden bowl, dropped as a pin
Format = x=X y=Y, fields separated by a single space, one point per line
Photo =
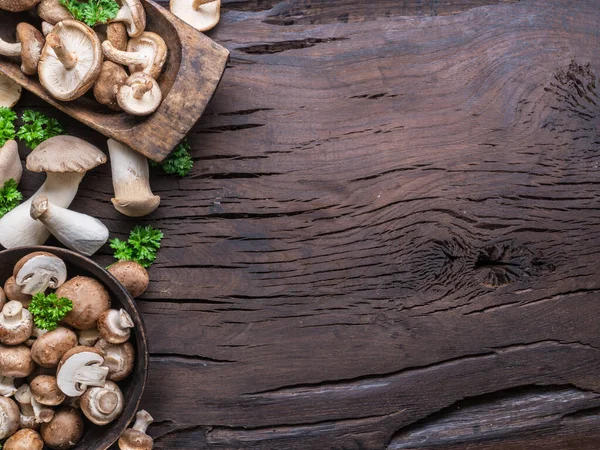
x=95 y=437
x=192 y=72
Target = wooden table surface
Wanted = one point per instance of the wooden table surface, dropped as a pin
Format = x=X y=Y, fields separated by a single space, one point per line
x=391 y=238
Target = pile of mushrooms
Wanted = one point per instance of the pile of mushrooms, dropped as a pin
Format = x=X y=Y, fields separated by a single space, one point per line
x=120 y=61
x=51 y=382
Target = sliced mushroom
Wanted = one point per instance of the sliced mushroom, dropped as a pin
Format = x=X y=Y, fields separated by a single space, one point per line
x=28 y=47
x=146 y=53
x=7 y=386
x=135 y=438
x=119 y=358
x=10 y=92
x=107 y=86
x=200 y=14
x=15 y=361
x=80 y=368
x=13 y=292
x=16 y=324
x=65 y=430
x=71 y=60
x=115 y=326
x=49 y=348
x=9 y=417
x=10 y=163
x=89 y=337
x=39 y=271
x=52 y=12
x=25 y=439
x=102 y=405
x=90 y=299
x=79 y=232
x=32 y=412
x=140 y=95
x=133 y=15
x=45 y=391
x=131 y=181
x=133 y=276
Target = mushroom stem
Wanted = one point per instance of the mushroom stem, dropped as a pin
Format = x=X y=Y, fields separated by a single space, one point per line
x=122 y=57
x=10 y=163
x=91 y=376
x=10 y=49
x=13 y=313
x=142 y=421
x=42 y=413
x=140 y=89
x=125 y=320
x=47 y=28
x=65 y=56
x=7 y=386
x=196 y=4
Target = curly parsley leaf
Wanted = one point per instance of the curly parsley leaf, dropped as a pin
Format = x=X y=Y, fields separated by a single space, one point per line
x=92 y=12
x=179 y=162
x=49 y=310
x=10 y=197
x=7 y=124
x=37 y=127
x=141 y=247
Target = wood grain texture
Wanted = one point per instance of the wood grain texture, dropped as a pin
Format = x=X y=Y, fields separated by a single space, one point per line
x=391 y=236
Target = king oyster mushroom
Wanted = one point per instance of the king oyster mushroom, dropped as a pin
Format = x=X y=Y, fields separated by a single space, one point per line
x=10 y=92
x=24 y=439
x=90 y=299
x=71 y=60
x=139 y=95
x=48 y=349
x=102 y=405
x=133 y=15
x=65 y=159
x=10 y=163
x=80 y=368
x=107 y=86
x=119 y=358
x=28 y=47
x=133 y=276
x=9 y=417
x=79 y=232
x=200 y=14
x=38 y=271
x=135 y=438
x=146 y=53
x=16 y=324
x=65 y=430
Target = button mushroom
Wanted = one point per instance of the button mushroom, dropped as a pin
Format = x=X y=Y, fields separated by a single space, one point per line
x=65 y=159
x=32 y=412
x=15 y=361
x=80 y=368
x=107 y=86
x=79 y=232
x=115 y=326
x=90 y=299
x=89 y=337
x=102 y=405
x=16 y=324
x=13 y=292
x=25 y=439
x=9 y=417
x=17 y=5
x=49 y=348
x=201 y=14
x=10 y=92
x=52 y=12
x=132 y=276
x=45 y=391
x=131 y=181
x=28 y=47
x=71 y=60
x=65 y=430
x=10 y=163
x=119 y=358
x=135 y=438
x=7 y=386
x=133 y=15
x=39 y=271
x=140 y=95
x=146 y=53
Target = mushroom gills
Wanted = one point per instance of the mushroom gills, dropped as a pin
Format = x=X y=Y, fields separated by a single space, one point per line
x=41 y=272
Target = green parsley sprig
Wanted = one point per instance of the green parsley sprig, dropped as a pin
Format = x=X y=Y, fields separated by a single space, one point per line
x=37 y=127
x=179 y=162
x=7 y=125
x=10 y=197
x=92 y=12
x=141 y=247
x=49 y=310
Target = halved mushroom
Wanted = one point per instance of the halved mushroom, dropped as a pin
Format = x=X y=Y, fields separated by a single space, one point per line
x=201 y=14
x=16 y=324
x=32 y=412
x=25 y=439
x=146 y=53
x=9 y=417
x=52 y=12
x=7 y=386
x=115 y=326
x=133 y=276
x=131 y=181
x=79 y=232
x=107 y=85
x=140 y=95
x=102 y=405
x=90 y=299
x=65 y=430
x=39 y=271
x=80 y=368
x=48 y=349
x=13 y=292
x=44 y=390
x=135 y=438
x=119 y=358
x=28 y=47
x=65 y=159
x=10 y=92
x=89 y=337
x=133 y=15
x=10 y=163
x=15 y=361
x=71 y=60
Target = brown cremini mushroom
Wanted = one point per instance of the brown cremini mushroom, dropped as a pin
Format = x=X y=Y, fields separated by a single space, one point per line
x=44 y=390
x=25 y=439
x=10 y=92
x=133 y=276
x=28 y=47
x=7 y=386
x=16 y=324
x=38 y=271
x=102 y=405
x=146 y=53
x=52 y=12
x=10 y=162
x=135 y=438
x=115 y=326
x=64 y=431
x=32 y=412
x=13 y=292
x=139 y=95
x=80 y=368
x=15 y=361
x=9 y=417
x=49 y=348
x=71 y=60
x=200 y=14
x=108 y=83
x=90 y=299
x=119 y=358
x=133 y=15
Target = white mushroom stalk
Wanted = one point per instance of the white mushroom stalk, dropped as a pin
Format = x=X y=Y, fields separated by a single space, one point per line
x=10 y=163
x=9 y=48
x=136 y=438
x=79 y=232
x=7 y=386
x=67 y=58
x=131 y=181
x=133 y=15
x=16 y=323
